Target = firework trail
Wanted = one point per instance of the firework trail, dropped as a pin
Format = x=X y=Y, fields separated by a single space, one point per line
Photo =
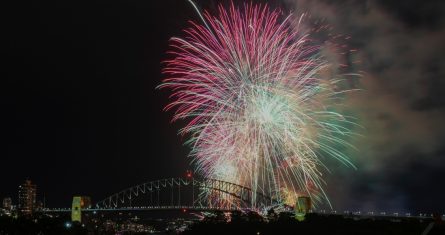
x=260 y=114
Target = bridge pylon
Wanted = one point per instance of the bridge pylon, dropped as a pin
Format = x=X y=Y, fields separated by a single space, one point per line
x=79 y=203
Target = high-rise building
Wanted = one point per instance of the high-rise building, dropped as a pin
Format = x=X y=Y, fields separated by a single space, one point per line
x=7 y=203
x=27 y=198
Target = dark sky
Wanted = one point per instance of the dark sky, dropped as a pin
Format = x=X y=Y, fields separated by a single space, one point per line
x=81 y=115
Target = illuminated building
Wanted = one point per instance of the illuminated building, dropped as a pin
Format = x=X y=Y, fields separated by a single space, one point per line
x=79 y=203
x=27 y=198
x=7 y=203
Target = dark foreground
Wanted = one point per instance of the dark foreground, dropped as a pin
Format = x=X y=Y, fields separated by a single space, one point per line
x=320 y=224
x=243 y=224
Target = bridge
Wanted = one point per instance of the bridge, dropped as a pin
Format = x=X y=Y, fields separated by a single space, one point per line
x=187 y=193
x=201 y=194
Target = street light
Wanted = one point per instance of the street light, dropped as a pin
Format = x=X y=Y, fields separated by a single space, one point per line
x=68 y=225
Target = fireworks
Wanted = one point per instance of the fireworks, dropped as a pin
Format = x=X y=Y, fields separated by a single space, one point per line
x=260 y=112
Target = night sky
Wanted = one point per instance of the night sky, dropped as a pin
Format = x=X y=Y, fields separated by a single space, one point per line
x=81 y=113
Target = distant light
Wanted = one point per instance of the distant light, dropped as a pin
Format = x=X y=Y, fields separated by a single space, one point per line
x=68 y=225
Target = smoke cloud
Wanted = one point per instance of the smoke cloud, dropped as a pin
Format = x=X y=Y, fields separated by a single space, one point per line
x=401 y=156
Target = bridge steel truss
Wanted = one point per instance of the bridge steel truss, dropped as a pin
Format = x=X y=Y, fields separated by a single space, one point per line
x=207 y=193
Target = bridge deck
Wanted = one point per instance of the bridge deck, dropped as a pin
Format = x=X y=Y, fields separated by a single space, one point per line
x=154 y=208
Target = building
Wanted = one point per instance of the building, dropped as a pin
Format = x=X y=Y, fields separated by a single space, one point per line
x=79 y=203
x=27 y=198
x=7 y=203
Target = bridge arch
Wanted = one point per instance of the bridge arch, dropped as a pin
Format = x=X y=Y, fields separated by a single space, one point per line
x=203 y=192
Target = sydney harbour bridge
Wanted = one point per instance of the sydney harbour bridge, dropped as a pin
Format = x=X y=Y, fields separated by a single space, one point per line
x=197 y=194
x=184 y=193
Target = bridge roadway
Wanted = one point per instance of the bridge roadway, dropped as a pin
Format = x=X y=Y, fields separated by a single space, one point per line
x=381 y=215
x=148 y=208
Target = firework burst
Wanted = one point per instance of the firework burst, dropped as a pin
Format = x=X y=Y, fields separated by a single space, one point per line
x=260 y=114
